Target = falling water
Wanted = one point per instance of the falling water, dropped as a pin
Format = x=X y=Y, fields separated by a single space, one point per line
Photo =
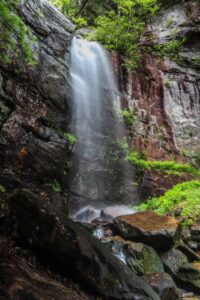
x=99 y=174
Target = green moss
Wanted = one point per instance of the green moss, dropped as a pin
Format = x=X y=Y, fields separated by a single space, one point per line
x=184 y=196
x=171 y=167
x=15 y=36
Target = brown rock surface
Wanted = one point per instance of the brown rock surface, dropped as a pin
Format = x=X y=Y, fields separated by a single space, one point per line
x=149 y=227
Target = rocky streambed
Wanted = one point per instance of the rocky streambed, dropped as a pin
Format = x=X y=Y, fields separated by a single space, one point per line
x=137 y=256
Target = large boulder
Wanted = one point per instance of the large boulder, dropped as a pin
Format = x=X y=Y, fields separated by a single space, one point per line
x=69 y=247
x=160 y=232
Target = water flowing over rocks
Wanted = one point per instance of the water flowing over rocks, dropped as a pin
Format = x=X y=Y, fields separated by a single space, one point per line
x=69 y=246
x=130 y=257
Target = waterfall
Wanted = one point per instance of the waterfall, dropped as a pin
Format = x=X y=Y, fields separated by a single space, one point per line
x=99 y=174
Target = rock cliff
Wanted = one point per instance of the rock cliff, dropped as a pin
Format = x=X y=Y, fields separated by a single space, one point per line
x=35 y=102
x=165 y=93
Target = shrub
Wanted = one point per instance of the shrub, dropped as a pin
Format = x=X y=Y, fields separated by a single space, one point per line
x=184 y=196
x=70 y=137
x=163 y=166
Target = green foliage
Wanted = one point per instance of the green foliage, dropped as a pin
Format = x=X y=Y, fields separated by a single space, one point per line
x=184 y=196
x=169 y=21
x=82 y=12
x=123 y=144
x=55 y=186
x=13 y=33
x=129 y=116
x=70 y=8
x=2 y=189
x=170 y=49
x=70 y=137
x=169 y=167
x=122 y=28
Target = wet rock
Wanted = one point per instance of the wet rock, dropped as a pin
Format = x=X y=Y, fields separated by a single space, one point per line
x=173 y=260
x=195 y=232
x=103 y=218
x=35 y=100
x=158 y=231
x=142 y=259
x=190 y=275
x=72 y=249
x=164 y=285
x=191 y=255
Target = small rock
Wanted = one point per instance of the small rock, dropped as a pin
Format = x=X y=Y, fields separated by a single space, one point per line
x=190 y=274
x=195 y=232
x=158 y=231
x=164 y=285
x=173 y=260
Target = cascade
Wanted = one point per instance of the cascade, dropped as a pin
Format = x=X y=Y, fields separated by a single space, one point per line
x=99 y=176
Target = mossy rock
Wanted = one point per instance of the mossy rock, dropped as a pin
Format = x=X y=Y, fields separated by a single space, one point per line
x=142 y=259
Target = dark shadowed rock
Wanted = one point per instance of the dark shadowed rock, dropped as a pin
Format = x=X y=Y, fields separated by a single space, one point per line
x=190 y=275
x=173 y=260
x=164 y=285
x=148 y=227
x=35 y=99
x=24 y=279
x=195 y=232
x=73 y=249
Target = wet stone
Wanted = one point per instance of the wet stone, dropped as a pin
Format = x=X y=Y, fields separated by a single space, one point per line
x=164 y=285
x=160 y=232
x=142 y=259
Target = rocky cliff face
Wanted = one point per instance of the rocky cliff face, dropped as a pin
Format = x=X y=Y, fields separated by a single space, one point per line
x=166 y=94
x=35 y=102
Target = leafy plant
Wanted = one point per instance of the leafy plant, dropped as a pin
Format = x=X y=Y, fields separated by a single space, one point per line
x=129 y=116
x=122 y=28
x=55 y=185
x=170 y=49
x=70 y=137
x=123 y=144
x=171 y=167
x=184 y=197
x=2 y=189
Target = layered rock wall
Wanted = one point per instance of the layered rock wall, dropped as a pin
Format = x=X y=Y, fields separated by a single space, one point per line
x=165 y=94
x=35 y=101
